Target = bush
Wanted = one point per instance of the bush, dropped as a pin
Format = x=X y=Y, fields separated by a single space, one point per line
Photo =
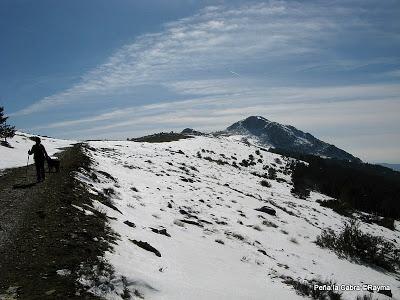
x=338 y=206
x=300 y=192
x=306 y=288
x=363 y=247
x=265 y=183
x=272 y=173
x=365 y=187
x=6 y=131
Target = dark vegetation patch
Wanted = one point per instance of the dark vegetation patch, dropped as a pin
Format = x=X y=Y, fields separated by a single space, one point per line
x=366 y=297
x=289 y=212
x=382 y=221
x=217 y=161
x=247 y=163
x=267 y=210
x=361 y=247
x=345 y=209
x=191 y=222
x=262 y=251
x=146 y=246
x=107 y=175
x=236 y=235
x=306 y=288
x=184 y=179
x=269 y=224
x=366 y=187
x=130 y=224
x=106 y=198
x=265 y=183
x=161 y=137
x=338 y=206
x=49 y=234
x=6 y=144
x=161 y=231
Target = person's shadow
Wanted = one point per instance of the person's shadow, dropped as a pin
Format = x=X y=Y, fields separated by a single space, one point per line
x=24 y=185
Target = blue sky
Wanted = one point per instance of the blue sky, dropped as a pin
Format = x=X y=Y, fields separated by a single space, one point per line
x=124 y=68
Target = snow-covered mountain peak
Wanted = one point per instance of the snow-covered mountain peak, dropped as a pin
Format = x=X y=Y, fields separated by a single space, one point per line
x=285 y=137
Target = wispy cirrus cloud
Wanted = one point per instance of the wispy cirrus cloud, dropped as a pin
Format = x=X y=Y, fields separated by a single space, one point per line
x=209 y=44
x=294 y=62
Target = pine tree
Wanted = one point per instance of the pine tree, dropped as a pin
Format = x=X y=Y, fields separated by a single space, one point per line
x=6 y=131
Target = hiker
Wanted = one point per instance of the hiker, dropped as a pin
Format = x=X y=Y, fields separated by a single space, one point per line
x=39 y=155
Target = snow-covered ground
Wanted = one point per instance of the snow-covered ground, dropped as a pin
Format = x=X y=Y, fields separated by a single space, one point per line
x=219 y=246
x=17 y=156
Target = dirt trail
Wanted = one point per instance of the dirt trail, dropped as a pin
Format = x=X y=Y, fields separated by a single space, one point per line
x=42 y=233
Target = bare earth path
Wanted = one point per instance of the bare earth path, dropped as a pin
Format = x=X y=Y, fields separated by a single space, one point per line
x=42 y=233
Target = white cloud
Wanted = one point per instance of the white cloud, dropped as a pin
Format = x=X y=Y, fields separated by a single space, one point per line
x=272 y=45
x=314 y=109
x=205 y=44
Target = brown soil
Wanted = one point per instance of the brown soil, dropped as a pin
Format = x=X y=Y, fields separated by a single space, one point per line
x=41 y=232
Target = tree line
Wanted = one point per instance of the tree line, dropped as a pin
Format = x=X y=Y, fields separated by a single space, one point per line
x=6 y=130
x=366 y=187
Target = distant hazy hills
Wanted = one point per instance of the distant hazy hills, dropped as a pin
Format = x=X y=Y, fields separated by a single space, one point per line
x=395 y=167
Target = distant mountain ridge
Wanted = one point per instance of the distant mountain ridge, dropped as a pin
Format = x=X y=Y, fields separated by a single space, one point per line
x=287 y=137
x=395 y=167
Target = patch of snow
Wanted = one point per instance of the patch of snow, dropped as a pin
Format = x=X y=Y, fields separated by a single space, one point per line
x=63 y=272
x=191 y=189
x=17 y=156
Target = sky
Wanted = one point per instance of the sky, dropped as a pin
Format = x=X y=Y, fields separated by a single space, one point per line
x=125 y=68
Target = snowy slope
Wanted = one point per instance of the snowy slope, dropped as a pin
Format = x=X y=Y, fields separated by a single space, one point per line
x=286 y=137
x=17 y=156
x=219 y=247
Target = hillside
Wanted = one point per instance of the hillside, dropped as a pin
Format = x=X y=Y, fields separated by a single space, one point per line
x=191 y=225
x=17 y=154
x=395 y=167
x=286 y=137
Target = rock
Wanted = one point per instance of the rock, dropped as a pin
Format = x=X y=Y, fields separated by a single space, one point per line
x=162 y=231
x=179 y=223
x=50 y=292
x=267 y=210
x=130 y=224
x=192 y=222
x=146 y=246
x=386 y=293
x=262 y=251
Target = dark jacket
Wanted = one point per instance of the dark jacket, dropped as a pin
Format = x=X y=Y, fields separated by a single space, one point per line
x=39 y=152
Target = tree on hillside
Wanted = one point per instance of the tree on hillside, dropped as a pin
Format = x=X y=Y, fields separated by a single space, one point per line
x=6 y=131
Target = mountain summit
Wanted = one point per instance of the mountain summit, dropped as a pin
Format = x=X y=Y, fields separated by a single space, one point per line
x=286 y=137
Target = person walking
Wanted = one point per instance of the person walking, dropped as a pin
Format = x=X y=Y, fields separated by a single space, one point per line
x=39 y=155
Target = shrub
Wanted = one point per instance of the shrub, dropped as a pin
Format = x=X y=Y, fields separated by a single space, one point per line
x=256 y=227
x=6 y=131
x=244 y=163
x=272 y=173
x=366 y=297
x=269 y=224
x=265 y=183
x=300 y=192
x=363 y=247
x=306 y=288
x=340 y=207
